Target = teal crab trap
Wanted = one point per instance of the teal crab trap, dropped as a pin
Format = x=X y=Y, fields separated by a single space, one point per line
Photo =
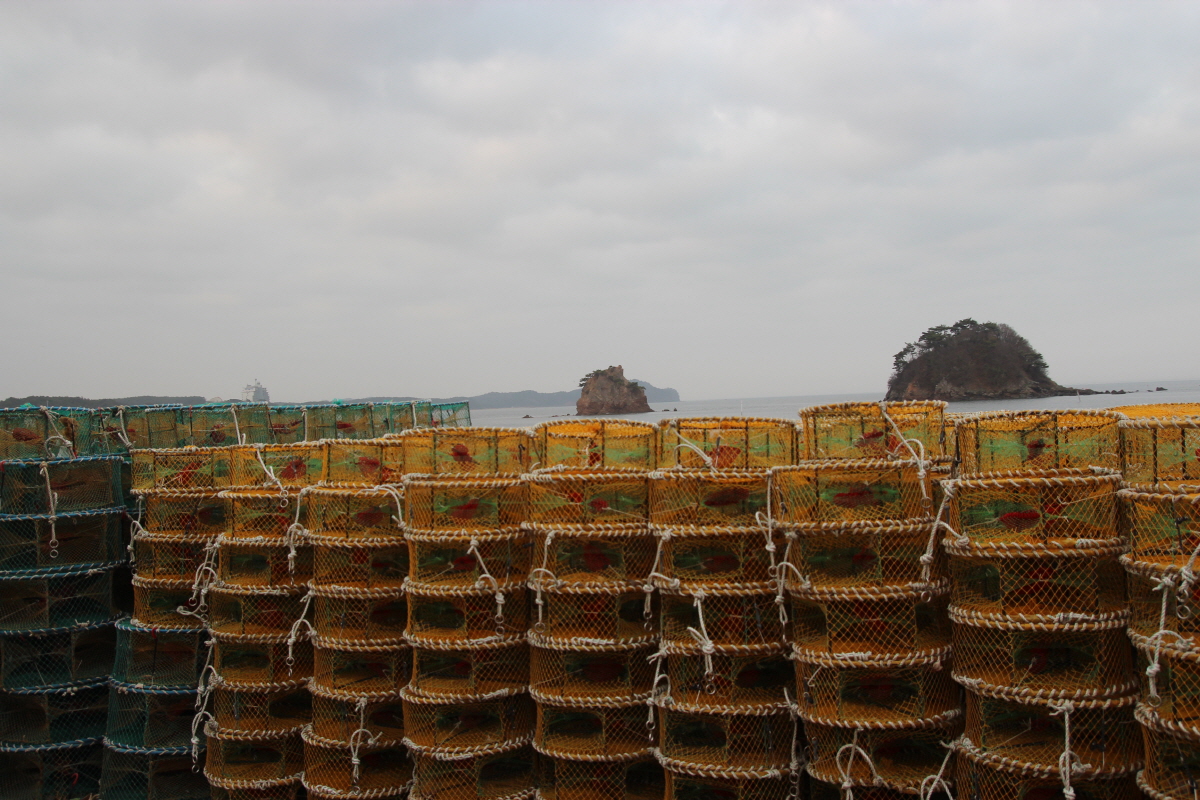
x=43 y=601
x=459 y=504
x=252 y=710
x=360 y=670
x=880 y=623
x=579 y=499
x=237 y=761
x=1160 y=526
x=69 y=771
x=455 y=671
x=61 y=487
x=264 y=561
x=125 y=428
x=903 y=430
x=45 y=716
x=466 y=726
x=279 y=466
x=685 y=783
x=235 y=423
x=740 y=443
x=862 y=556
x=608 y=730
x=458 y=452
x=353 y=421
x=291 y=423
x=597 y=444
x=150 y=718
x=465 y=616
x=693 y=559
x=159 y=656
x=993 y=780
x=255 y=610
x=339 y=716
x=182 y=469
x=62 y=657
x=261 y=660
x=596 y=674
x=903 y=759
x=820 y=495
x=450 y=415
x=598 y=615
x=457 y=563
x=131 y=774
x=1160 y=452
x=47 y=433
x=60 y=541
x=351 y=463
x=854 y=691
x=756 y=744
x=733 y=499
x=994 y=441
x=728 y=682
x=334 y=769
x=638 y=777
x=354 y=513
x=497 y=775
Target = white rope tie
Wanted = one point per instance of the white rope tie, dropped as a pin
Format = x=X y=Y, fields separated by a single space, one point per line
x=304 y=415
x=796 y=764
x=1164 y=584
x=844 y=769
x=394 y=493
x=707 y=648
x=294 y=631
x=685 y=443
x=237 y=430
x=52 y=500
x=544 y=569
x=360 y=737
x=1068 y=763
x=121 y=431
x=487 y=581
x=921 y=463
x=932 y=783
x=205 y=575
x=931 y=546
x=66 y=447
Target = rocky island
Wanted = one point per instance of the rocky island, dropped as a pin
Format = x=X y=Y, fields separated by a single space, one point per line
x=608 y=391
x=972 y=360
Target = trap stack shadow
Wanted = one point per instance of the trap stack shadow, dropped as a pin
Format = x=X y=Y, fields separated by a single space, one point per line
x=1038 y=605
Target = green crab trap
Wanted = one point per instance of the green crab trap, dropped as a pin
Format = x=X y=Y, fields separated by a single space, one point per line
x=588 y=499
x=460 y=452
x=236 y=423
x=730 y=622
x=353 y=421
x=363 y=616
x=686 y=784
x=881 y=624
x=478 y=670
x=995 y=441
x=150 y=718
x=709 y=498
x=721 y=682
x=363 y=769
x=453 y=504
x=362 y=670
x=465 y=562
x=46 y=600
x=600 y=444
x=39 y=433
x=903 y=759
x=61 y=487
x=138 y=775
x=908 y=429
x=388 y=419
x=125 y=428
x=171 y=556
x=635 y=778
x=1162 y=600
x=986 y=780
x=1162 y=526
x=60 y=541
x=290 y=466
x=261 y=660
x=238 y=761
x=604 y=614
x=68 y=771
x=354 y=513
x=723 y=559
x=1058 y=660
x=1160 y=452
x=999 y=513
x=264 y=561
x=740 y=443
x=757 y=744
x=182 y=469
x=862 y=556
x=75 y=655
x=1169 y=681
x=339 y=717
x=159 y=656
x=597 y=731
x=291 y=424
x=376 y=563
x=253 y=609
x=450 y=415
x=37 y=715
x=1172 y=755
x=198 y=513
x=598 y=675
x=467 y=726
x=504 y=775
x=166 y=603
x=469 y=616
x=827 y=494
x=364 y=462
x=279 y=709
x=858 y=692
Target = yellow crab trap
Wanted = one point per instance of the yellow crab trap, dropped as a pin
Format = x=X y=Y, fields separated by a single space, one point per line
x=288 y=789
x=236 y=761
x=453 y=504
x=724 y=559
x=261 y=513
x=1172 y=752
x=171 y=556
x=279 y=466
x=635 y=778
x=995 y=441
x=466 y=726
x=504 y=775
x=1043 y=659
x=1004 y=512
x=477 y=670
x=150 y=717
x=822 y=790
x=182 y=469
x=236 y=423
x=595 y=676
x=364 y=769
x=728 y=682
x=879 y=624
x=441 y=561
x=588 y=499
x=824 y=494
x=60 y=541
x=734 y=745
x=1162 y=526
x=467 y=616
x=740 y=443
x=375 y=563
x=1159 y=410
x=256 y=660
x=901 y=758
x=604 y=614
x=584 y=555
x=159 y=656
x=49 y=715
x=700 y=785
x=354 y=513
x=909 y=429
x=131 y=774
x=195 y=513
x=729 y=621
x=60 y=772
x=1162 y=600
x=460 y=452
x=988 y=780
x=588 y=444
x=1161 y=452
x=359 y=615
x=286 y=707
x=166 y=603
x=264 y=561
x=60 y=487
x=339 y=717
x=862 y=556
x=77 y=654
x=1169 y=680
x=363 y=462
x=253 y=609
x=857 y=692
x=45 y=600
x=358 y=670
x=703 y=498
x=597 y=731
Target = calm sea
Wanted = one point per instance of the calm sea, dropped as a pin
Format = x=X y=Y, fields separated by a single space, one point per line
x=789 y=407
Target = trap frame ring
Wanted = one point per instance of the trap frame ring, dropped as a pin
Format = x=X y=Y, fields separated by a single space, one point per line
x=1079 y=701
x=726 y=710
x=1149 y=790
x=1152 y=413
x=944 y=720
x=936 y=660
x=800 y=530
x=262 y=785
x=1021 y=479
x=316 y=687
x=320 y=690
x=919 y=590
x=489 y=587
x=595 y=758
x=1079 y=548
x=1147 y=717
x=963 y=746
x=580 y=645
x=1065 y=622
x=706 y=771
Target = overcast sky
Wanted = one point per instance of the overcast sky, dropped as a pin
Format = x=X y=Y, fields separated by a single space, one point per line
x=349 y=199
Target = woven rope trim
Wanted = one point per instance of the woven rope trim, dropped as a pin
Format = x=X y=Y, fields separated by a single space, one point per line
x=885 y=527
x=1150 y=719
x=214 y=731
x=413 y=481
x=356 y=592
x=338 y=694
x=590 y=645
x=964 y=747
x=945 y=720
x=463 y=644
x=1123 y=700
x=713 y=771
x=914 y=658
x=221 y=587
x=250 y=638
x=1082 y=548
x=690 y=647
x=465 y=697
x=590 y=701
x=392 y=645
x=524 y=794
x=489 y=535
x=1066 y=622
x=1038 y=696
x=229 y=783
x=1184 y=651
x=1154 y=793
x=442 y=755
x=676 y=589
x=917 y=590
x=594 y=530
x=408 y=694
x=633 y=755
x=319 y=542
x=316 y=740
x=749 y=710
x=508 y=586
x=1027 y=479
x=318 y=790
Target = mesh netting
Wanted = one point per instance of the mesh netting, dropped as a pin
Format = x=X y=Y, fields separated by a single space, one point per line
x=638 y=778
x=150 y=718
x=1162 y=599
x=597 y=444
x=133 y=775
x=1057 y=507
x=1162 y=527
x=290 y=424
x=56 y=600
x=157 y=603
x=872 y=430
x=254 y=610
x=729 y=682
x=48 y=716
x=1039 y=586
x=52 y=773
x=749 y=744
x=263 y=561
x=234 y=759
x=61 y=487
x=1172 y=756
x=329 y=769
x=874 y=693
x=479 y=671
x=279 y=465
x=467 y=725
x=583 y=555
x=693 y=559
x=684 y=786
x=1102 y=733
x=359 y=671
x=816 y=494
x=240 y=423
x=821 y=790
x=885 y=624
x=1159 y=410
x=863 y=556
x=727 y=443
x=1161 y=451
x=588 y=498
x=124 y=428
x=730 y=622
x=391 y=418
x=375 y=563
x=159 y=656
x=506 y=775
x=183 y=469
x=170 y=556
x=253 y=514
x=462 y=505
x=62 y=541
x=241 y=710
x=450 y=415
x=723 y=499
x=337 y=716
x=365 y=462
x=1043 y=659
x=443 y=618
x=260 y=660
x=362 y=513
x=194 y=513
x=360 y=615
x=1170 y=682
x=604 y=615
x=466 y=451
x=599 y=732
x=1037 y=440
x=988 y=781
x=587 y=677
x=56 y=657
x=896 y=758
x=353 y=421
x=37 y=433
x=460 y=563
